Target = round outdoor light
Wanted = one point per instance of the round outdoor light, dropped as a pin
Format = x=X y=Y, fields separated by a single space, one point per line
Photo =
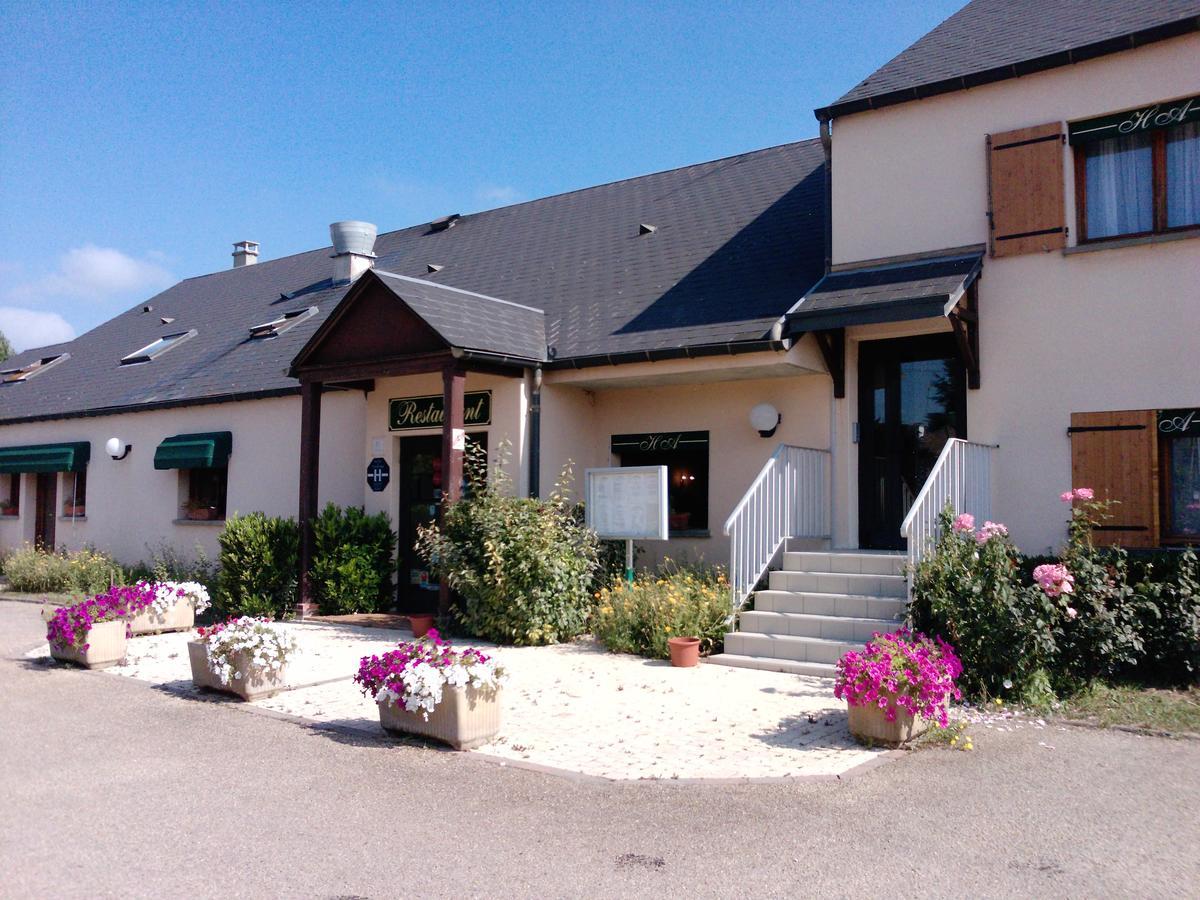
x=764 y=419
x=117 y=448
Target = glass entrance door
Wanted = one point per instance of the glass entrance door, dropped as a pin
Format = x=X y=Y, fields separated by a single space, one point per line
x=420 y=498
x=911 y=400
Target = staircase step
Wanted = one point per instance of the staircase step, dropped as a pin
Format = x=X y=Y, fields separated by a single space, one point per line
x=814 y=604
x=790 y=666
x=839 y=583
x=782 y=646
x=856 y=563
x=838 y=628
x=807 y=545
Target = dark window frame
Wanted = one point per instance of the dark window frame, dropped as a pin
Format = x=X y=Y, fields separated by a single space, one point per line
x=1166 y=494
x=13 y=499
x=74 y=490
x=1158 y=182
x=698 y=463
x=213 y=495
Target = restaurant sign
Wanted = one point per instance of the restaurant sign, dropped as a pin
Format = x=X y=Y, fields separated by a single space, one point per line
x=659 y=442
x=1179 y=422
x=1137 y=121
x=408 y=413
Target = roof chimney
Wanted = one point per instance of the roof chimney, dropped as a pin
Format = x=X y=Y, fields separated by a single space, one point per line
x=245 y=253
x=353 y=246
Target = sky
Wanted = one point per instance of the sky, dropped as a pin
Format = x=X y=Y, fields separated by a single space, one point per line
x=139 y=141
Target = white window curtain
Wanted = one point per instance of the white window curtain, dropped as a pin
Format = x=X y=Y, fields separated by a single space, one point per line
x=1183 y=175
x=1120 y=187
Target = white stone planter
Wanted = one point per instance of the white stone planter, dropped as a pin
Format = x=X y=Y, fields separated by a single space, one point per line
x=180 y=617
x=869 y=723
x=466 y=718
x=106 y=646
x=202 y=675
x=255 y=685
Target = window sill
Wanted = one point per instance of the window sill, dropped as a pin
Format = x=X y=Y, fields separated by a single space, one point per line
x=199 y=522
x=72 y=518
x=12 y=516
x=1114 y=243
x=690 y=533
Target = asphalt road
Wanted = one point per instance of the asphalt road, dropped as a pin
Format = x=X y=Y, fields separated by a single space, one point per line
x=109 y=787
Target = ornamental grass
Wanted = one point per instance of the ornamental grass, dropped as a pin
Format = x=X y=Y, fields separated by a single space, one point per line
x=678 y=601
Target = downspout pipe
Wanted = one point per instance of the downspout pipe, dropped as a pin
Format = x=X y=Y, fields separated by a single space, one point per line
x=535 y=434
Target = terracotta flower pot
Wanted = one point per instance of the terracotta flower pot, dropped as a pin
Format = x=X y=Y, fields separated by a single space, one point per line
x=685 y=651
x=869 y=723
x=106 y=646
x=180 y=617
x=420 y=624
x=467 y=717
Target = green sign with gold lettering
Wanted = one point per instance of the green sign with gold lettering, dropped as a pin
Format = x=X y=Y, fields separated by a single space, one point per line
x=408 y=413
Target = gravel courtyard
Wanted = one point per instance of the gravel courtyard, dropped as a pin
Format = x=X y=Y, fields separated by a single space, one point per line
x=574 y=707
x=113 y=788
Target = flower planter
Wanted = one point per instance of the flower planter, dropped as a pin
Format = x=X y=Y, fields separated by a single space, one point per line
x=466 y=718
x=255 y=684
x=869 y=723
x=420 y=624
x=105 y=646
x=179 y=617
x=685 y=651
x=202 y=676
x=74 y=512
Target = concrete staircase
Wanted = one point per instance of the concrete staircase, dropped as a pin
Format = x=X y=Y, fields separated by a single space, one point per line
x=818 y=606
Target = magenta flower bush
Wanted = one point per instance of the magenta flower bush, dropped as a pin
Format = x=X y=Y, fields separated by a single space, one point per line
x=69 y=625
x=413 y=675
x=903 y=670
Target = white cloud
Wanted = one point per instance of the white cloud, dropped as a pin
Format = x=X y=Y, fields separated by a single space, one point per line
x=501 y=194
x=27 y=328
x=91 y=273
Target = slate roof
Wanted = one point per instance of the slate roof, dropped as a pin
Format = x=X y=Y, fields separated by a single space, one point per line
x=896 y=292
x=991 y=40
x=473 y=321
x=737 y=241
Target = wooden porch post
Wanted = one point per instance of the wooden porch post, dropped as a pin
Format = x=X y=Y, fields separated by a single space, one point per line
x=454 y=442
x=310 y=459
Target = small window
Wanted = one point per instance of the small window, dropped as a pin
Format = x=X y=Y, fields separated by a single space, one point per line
x=206 y=489
x=276 y=327
x=29 y=370
x=1179 y=440
x=10 y=494
x=74 y=492
x=1142 y=176
x=685 y=454
x=158 y=347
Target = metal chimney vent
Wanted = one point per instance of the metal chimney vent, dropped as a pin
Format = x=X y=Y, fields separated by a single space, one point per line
x=353 y=237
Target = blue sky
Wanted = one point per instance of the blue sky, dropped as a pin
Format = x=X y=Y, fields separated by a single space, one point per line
x=139 y=141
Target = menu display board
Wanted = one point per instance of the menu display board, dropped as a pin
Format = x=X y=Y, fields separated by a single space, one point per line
x=629 y=502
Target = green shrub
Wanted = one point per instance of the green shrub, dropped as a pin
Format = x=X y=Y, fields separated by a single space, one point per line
x=675 y=602
x=1168 y=589
x=971 y=593
x=259 y=563
x=33 y=571
x=523 y=567
x=353 y=560
x=36 y=571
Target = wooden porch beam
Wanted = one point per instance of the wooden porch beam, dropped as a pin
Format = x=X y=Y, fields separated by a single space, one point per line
x=833 y=348
x=417 y=364
x=454 y=443
x=310 y=463
x=964 y=320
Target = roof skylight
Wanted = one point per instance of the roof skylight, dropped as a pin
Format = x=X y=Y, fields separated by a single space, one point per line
x=30 y=369
x=276 y=327
x=158 y=347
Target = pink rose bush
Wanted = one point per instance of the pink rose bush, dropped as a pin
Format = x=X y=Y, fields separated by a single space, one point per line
x=901 y=671
x=964 y=522
x=1054 y=579
x=990 y=530
x=414 y=675
x=1077 y=494
x=69 y=625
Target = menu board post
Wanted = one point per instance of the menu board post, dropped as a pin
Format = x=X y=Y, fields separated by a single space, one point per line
x=627 y=503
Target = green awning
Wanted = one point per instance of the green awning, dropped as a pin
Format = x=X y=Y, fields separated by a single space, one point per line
x=195 y=451
x=71 y=457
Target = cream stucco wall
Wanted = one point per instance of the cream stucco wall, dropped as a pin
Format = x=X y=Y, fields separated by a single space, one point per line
x=1114 y=328
x=132 y=508
x=913 y=177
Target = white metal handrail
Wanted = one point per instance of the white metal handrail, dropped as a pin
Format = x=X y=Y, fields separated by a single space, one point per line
x=962 y=477
x=789 y=498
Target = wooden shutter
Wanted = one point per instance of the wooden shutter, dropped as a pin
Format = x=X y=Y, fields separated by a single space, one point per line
x=1114 y=453
x=1025 y=186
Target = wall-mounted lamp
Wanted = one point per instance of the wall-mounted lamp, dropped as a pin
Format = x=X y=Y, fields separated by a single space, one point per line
x=117 y=448
x=764 y=419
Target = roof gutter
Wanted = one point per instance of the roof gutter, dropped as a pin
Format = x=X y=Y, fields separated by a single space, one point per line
x=495 y=359
x=155 y=405
x=1014 y=70
x=729 y=348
